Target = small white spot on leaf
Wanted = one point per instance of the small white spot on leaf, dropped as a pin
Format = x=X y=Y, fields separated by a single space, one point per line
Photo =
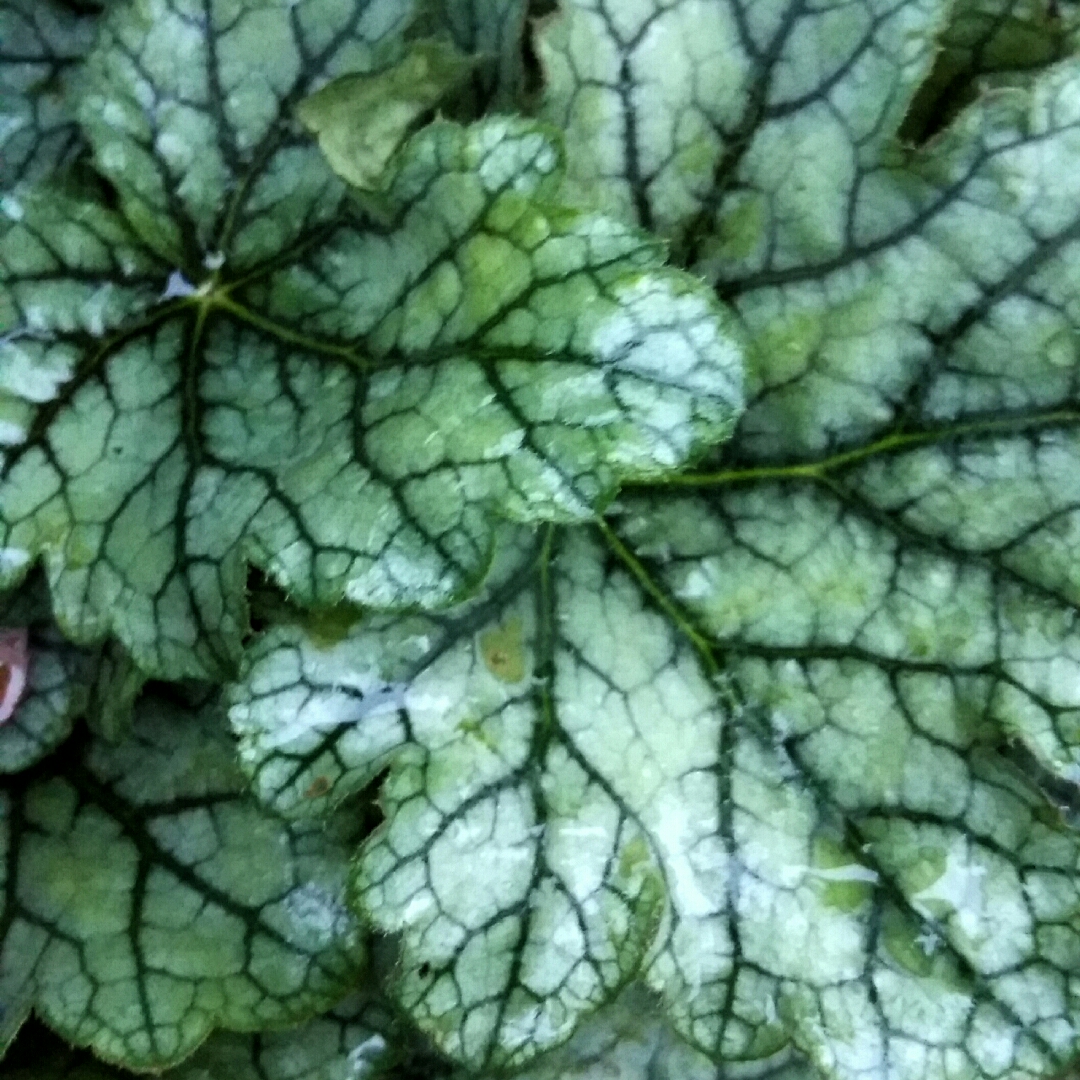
x=177 y=286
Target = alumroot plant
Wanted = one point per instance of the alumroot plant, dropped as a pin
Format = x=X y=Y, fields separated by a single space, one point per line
x=540 y=544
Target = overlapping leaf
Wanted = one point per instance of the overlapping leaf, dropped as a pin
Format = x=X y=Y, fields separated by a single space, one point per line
x=362 y=120
x=783 y=743
x=345 y=1043
x=41 y=42
x=63 y=682
x=225 y=370
x=778 y=109
x=360 y=1039
x=147 y=901
x=795 y=744
x=934 y=312
x=189 y=111
x=627 y=1040
x=988 y=43
x=574 y=797
x=494 y=31
x=516 y=861
x=856 y=265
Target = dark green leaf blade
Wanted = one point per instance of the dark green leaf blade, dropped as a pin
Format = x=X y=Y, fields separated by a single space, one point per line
x=148 y=902
x=988 y=43
x=63 y=682
x=41 y=44
x=345 y=1043
x=494 y=32
x=359 y=1039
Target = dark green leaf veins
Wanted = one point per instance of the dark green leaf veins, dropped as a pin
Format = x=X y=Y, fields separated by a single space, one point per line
x=668 y=467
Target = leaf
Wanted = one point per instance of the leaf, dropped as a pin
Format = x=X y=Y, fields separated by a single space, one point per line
x=941 y=370
x=890 y=676
x=778 y=112
x=147 y=901
x=577 y=795
x=493 y=30
x=117 y=684
x=775 y=137
x=185 y=417
x=521 y=882
x=302 y=694
x=981 y=332
x=627 y=1040
x=361 y=120
x=877 y=579
x=189 y=110
x=361 y=1038
x=896 y=240
x=623 y=1042
x=348 y=1043
x=939 y=316
x=786 y=731
x=39 y=1055
x=884 y=555
x=70 y=272
x=60 y=681
x=988 y=43
x=40 y=43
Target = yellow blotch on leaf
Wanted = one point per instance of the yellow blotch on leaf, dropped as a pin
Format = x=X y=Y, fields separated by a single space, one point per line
x=476 y=729
x=503 y=651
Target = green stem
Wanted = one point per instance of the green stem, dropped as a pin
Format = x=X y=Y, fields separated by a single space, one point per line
x=283 y=333
x=660 y=598
x=890 y=444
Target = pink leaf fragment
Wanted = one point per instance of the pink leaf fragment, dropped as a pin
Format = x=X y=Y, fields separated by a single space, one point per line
x=14 y=662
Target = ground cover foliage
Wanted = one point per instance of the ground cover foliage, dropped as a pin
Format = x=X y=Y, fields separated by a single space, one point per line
x=539 y=541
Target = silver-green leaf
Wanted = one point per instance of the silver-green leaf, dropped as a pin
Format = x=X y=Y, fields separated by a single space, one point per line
x=41 y=44
x=628 y=1040
x=353 y=422
x=577 y=795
